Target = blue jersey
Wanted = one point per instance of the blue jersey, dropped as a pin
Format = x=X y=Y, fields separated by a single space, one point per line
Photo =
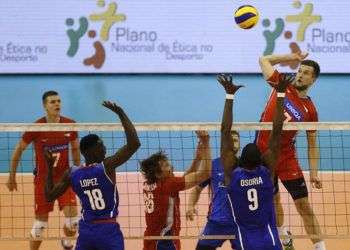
x=220 y=210
x=98 y=194
x=251 y=195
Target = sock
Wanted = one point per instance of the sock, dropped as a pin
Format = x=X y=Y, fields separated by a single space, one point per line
x=282 y=231
x=320 y=245
x=67 y=243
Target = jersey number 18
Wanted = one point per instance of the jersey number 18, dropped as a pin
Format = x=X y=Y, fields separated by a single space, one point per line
x=96 y=199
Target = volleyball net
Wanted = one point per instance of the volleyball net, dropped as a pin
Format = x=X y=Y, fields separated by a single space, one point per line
x=331 y=204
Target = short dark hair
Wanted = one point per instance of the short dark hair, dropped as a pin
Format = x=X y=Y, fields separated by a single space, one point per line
x=47 y=94
x=250 y=156
x=314 y=65
x=235 y=132
x=88 y=142
x=150 y=166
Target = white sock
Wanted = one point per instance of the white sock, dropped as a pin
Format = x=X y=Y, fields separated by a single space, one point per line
x=282 y=231
x=320 y=245
x=67 y=243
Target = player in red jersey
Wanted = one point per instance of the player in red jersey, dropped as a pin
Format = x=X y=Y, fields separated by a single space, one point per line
x=298 y=107
x=58 y=144
x=161 y=194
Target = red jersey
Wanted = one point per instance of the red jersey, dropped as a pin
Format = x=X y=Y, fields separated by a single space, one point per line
x=296 y=109
x=162 y=206
x=56 y=142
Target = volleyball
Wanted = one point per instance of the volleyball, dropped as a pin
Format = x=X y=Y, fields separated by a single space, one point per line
x=246 y=16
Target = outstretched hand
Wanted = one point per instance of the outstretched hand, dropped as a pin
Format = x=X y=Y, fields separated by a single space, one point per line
x=202 y=135
x=285 y=80
x=300 y=56
x=112 y=106
x=226 y=81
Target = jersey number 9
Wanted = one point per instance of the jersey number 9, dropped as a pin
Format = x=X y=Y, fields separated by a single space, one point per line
x=252 y=196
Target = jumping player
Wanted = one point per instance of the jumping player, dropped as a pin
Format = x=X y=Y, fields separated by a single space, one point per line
x=161 y=194
x=298 y=107
x=220 y=221
x=249 y=178
x=58 y=143
x=95 y=185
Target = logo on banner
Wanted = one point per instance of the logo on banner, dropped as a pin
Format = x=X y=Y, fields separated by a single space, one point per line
x=303 y=19
x=106 y=19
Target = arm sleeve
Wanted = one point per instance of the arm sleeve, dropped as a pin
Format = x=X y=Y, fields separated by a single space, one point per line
x=174 y=184
x=74 y=135
x=28 y=137
x=313 y=114
x=274 y=79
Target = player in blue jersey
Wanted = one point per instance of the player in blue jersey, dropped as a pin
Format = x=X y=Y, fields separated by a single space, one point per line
x=249 y=179
x=95 y=185
x=220 y=221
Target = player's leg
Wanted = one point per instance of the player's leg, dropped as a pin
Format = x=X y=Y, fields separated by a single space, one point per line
x=266 y=238
x=298 y=190
x=213 y=228
x=41 y=210
x=39 y=225
x=282 y=230
x=67 y=203
x=86 y=238
x=108 y=236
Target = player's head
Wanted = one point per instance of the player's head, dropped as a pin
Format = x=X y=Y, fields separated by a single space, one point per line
x=236 y=140
x=250 y=157
x=92 y=148
x=307 y=74
x=52 y=102
x=156 y=167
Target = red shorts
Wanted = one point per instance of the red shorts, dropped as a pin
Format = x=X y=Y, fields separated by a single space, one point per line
x=43 y=207
x=288 y=168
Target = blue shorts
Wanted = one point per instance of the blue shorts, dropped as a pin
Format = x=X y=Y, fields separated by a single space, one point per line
x=99 y=236
x=257 y=239
x=215 y=228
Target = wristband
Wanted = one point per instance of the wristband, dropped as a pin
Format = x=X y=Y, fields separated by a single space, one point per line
x=229 y=96
x=281 y=94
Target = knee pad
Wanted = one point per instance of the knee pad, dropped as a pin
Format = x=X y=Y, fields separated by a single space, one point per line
x=38 y=229
x=71 y=223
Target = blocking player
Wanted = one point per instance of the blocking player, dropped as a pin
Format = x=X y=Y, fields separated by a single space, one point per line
x=161 y=194
x=249 y=179
x=58 y=143
x=298 y=107
x=95 y=184
x=220 y=221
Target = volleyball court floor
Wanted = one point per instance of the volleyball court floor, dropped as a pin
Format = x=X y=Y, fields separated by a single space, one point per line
x=331 y=205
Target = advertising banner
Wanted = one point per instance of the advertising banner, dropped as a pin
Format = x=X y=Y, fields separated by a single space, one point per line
x=162 y=36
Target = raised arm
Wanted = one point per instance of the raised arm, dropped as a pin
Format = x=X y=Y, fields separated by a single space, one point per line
x=198 y=155
x=271 y=154
x=267 y=62
x=16 y=157
x=204 y=169
x=53 y=191
x=132 y=140
x=227 y=152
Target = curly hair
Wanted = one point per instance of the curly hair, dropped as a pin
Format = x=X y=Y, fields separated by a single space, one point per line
x=150 y=167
